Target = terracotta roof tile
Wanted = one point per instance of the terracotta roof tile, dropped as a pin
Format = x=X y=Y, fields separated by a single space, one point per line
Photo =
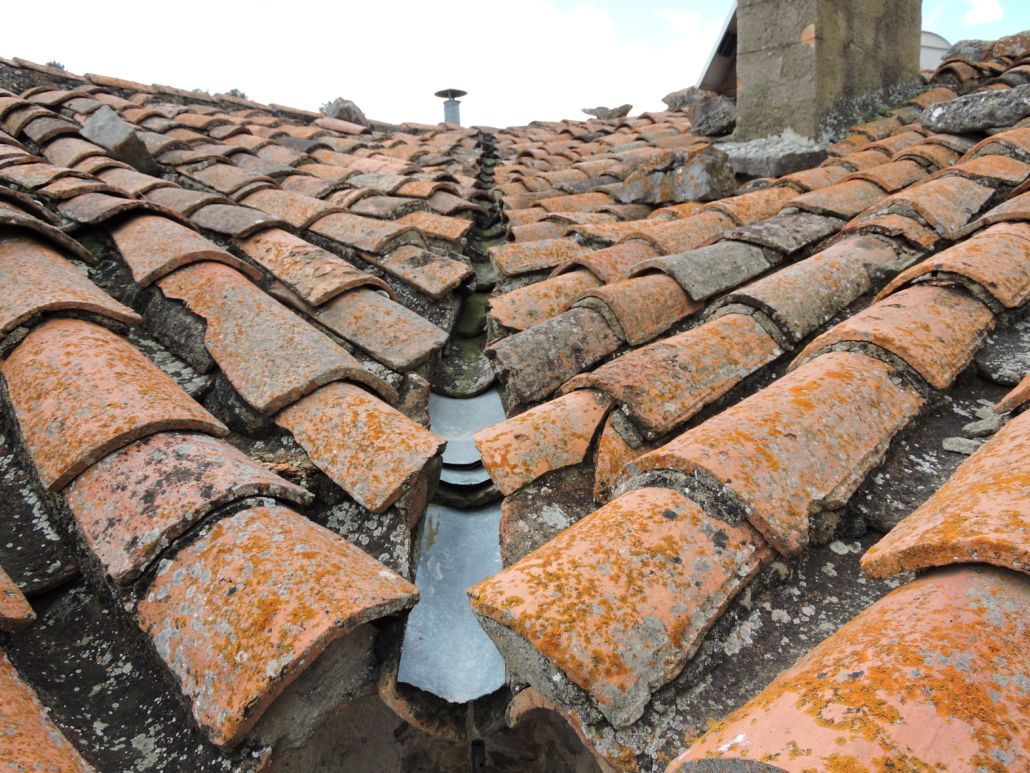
x=133 y=503
x=640 y=308
x=623 y=598
x=688 y=233
x=545 y=438
x=130 y=182
x=893 y=176
x=709 y=270
x=980 y=515
x=787 y=233
x=435 y=226
x=994 y=170
x=68 y=151
x=295 y=208
x=366 y=233
x=15 y=610
x=525 y=257
x=270 y=355
x=390 y=332
x=313 y=273
x=878 y=128
x=435 y=275
x=29 y=740
x=581 y=202
x=662 y=385
x=610 y=456
x=611 y=263
x=383 y=207
x=815 y=178
x=535 y=232
x=184 y=201
x=524 y=307
x=1016 y=398
x=17 y=218
x=903 y=686
x=32 y=176
x=233 y=220
x=754 y=206
x=1014 y=142
x=900 y=226
x=223 y=613
x=844 y=199
x=935 y=154
x=153 y=246
x=37 y=280
x=802 y=297
x=933 y=96
x=797 y=446
x=945 y=204
x=1016 y=209
x=997 y=259
x=369 y=449
x=96 y=208
x=605 y=234
x=676 y=211
x=896 y=143
x=79 y=392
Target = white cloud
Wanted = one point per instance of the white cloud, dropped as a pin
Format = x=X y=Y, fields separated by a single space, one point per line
x=983 y=12
x=519 y=60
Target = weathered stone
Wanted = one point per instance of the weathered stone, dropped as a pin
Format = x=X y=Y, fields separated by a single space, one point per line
x=979 y=112
x=961 y=445
x=608 y=112
x=774 y=156
x=688 y=100
x=346 y=110
x=107 y=129
x=715 y=117
x=705 y=176
x=976 y=50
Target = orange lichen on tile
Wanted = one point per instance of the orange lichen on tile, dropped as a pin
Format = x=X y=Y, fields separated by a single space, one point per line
x=754 y=206
x=933 y=96
x=365 y=233
x=642 y=307
x=316 y=275
x=369 y=449
x=80 y=392
x=548 y=437
x=844 y=199
x=435 y=275
x=980 y=515
x=133 y=503
x=893 y=176
x=580 y=202
x=688 y=233
x=525 y=257
x=997 y=259
x=611 y=263
x=524 y=307
x=29 y=740
x=945 y=204
x=37 y=280
x=676 y=211
x=611 y=455
x=931 y=677
x=295 y=208
x=911 y=230
x=999 y=169
x=15 y=610
x=1016 y=398
x=662 y=385
x=1017 y=139
x=936 y=330
x=801 y=445
x=241 y=612
x=434 y=226
x=154 y=246
x=622 y=599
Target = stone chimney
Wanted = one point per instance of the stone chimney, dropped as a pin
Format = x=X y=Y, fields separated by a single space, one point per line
x=809 y=64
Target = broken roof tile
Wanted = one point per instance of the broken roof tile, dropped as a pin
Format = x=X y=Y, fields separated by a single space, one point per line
x=548 y=437
x=640 y=308
x=271 y=356
x=313 y=273
x=623 y=598
x=136 y=501
x=37 y=280
x=80 y=392
x=936 y=330
x=369 y=449
x=29 y=740
x=801 y=445
x=524 y=307
x=15 y=610
x=525 y=257
x=997 y=259
x=662 y=385
x=236 y=622
x=154 y=246
x=295 y=208
x=1016 y=398
x=980 y=515
x=904 y=685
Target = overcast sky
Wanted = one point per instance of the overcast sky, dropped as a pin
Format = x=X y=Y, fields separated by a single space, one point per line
x=519 y=60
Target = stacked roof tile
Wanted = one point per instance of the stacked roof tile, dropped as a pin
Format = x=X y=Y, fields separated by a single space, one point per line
x=217 y=364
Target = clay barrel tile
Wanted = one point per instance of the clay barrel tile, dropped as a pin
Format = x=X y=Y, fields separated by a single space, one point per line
x=688 y=233
x=369 y=449
x=524 y=307
x=623 y=598
x=931 y=677
x=435 y=226
x=295 y=208
x=390 y=332
x=15 y=218
x=814 y=178
x=843 y=200
x=1016 y=398
x=662 y=385
x=238 y=614
x=525 y=257
x=96 y=208
x=581 y=202
x=613 y=453
x=80 y=392
x=706 y=271
x=804 y=295
x=893 y=176
x=365 y=233
x=611 y=263
x=801 y=445
x=980 y=515
x=29 y=740
x=754 y=206
x=314 y=274
x=37 y=280
x=546 y=438
x=435 y=275
x=787 y=233
x=270 y=355
x=946 y=204
x=184 y=201
x=226 y=178
x=1014 y=141
x=154 y=246
x=936 y=330
x=998 y=260
x=15 y=610
x=640 y=308
x=233 y=220
x=997 y=170
x=133 y=503
x=895 y=226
